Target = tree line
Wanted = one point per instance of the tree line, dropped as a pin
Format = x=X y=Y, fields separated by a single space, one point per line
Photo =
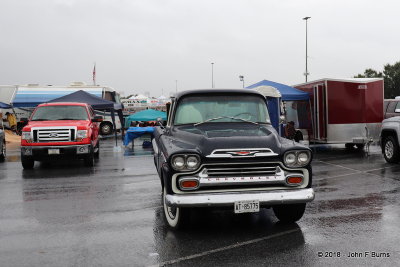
x=391 y=77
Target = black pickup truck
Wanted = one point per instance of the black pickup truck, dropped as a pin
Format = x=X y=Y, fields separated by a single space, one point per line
x=218 y=149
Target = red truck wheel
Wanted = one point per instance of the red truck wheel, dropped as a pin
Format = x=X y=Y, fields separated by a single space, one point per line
x=27 y=162
x=89 y=160
x=3 y=152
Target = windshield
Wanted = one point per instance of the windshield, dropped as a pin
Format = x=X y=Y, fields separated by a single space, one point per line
x=53 y=113
x=217 y=108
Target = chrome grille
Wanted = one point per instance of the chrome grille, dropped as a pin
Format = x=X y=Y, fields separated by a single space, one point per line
x=59 y=134
x=241 y=176
x=268 y=170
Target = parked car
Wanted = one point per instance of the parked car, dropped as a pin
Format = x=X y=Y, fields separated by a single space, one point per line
x=60 y=131
x=390 y=136
x=2 y=144
x=391 y=108
x=219 y=150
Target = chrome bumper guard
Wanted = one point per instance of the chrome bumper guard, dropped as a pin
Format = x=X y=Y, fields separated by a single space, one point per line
x=225 y=199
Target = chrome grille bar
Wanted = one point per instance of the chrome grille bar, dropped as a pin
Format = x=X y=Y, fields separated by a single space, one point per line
x=54 y=134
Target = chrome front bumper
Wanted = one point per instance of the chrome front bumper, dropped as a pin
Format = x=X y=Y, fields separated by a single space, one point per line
x=226 y=199
x=43 y=150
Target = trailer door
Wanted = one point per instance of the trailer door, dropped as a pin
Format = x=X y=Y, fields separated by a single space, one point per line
x=320 y=116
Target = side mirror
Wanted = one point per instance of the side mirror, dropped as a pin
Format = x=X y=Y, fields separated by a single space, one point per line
x=97 y=119
x=24 y=120
x=282 y=119
x=160 y=122
x=397 y=110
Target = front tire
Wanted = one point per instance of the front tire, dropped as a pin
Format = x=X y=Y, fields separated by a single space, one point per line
x=3 y=152
x=89 y=160
x=175 y=217
x=391 y=150
x=97 y=153
x=27 y=162
x=289 y=213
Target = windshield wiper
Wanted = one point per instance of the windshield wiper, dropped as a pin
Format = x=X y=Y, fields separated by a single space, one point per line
x=68 y=119
x=41 y=120
x=225 y=117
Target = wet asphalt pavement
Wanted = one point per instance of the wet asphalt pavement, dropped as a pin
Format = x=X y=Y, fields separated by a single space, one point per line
x=65 y=214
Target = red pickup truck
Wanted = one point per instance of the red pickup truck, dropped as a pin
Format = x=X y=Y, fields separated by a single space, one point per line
x=61 y=131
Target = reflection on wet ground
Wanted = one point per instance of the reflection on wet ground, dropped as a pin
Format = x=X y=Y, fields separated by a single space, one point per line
x=63 y=214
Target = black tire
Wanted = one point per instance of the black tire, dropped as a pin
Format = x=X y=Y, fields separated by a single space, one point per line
x=89 y=160
x=360 y=146
x=106 y=128
x=3 y=151
x=289 y=213
x=176 y=218
x=97 y=153
x=349 y=145
x=391 y=149
x=27 y=162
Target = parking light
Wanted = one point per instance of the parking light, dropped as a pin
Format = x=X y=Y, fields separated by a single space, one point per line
x=189 y=184
x=294 y=180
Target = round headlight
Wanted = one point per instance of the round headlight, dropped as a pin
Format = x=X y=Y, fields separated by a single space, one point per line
x=303 y=158
x=178 y=162
x=192 y=162
x=290 y=158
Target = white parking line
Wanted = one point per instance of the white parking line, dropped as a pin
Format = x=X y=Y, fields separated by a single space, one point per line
x=336 y=165
x=240 y=244
x=356 y=172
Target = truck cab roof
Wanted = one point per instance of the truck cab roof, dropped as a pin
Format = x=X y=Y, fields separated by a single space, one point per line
x=63 y=104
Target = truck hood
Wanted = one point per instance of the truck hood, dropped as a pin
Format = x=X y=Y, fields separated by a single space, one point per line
x=204 y=139
x=66 y=123
x=392 y=119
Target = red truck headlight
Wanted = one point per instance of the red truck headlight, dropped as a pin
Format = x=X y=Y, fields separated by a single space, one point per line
x=81 y=134
x=27 y=136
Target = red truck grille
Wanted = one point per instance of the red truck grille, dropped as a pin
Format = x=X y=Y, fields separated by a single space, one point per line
x=47 y=135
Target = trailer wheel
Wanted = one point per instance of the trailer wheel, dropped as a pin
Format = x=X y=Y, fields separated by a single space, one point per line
x=360 y=146
x=349 y=145
x=106 y=128
x=391 y=150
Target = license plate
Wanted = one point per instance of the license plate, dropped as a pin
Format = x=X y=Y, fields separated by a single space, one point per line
x=247 y=206
x=54 y=151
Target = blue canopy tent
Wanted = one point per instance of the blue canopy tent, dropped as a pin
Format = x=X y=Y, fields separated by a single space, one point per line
x=96 y=102
x=287 y=93
x=4 y=105
x=145 y=115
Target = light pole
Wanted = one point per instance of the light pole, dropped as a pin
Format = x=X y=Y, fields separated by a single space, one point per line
x=176 y=86
x=306 y=73
x=212 y=75
x=241 y=77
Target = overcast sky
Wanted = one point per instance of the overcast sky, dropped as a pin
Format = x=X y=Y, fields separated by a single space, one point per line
x=146 y=45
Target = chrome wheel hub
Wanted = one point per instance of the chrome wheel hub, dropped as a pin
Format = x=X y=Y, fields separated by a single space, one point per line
x=389 y=149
